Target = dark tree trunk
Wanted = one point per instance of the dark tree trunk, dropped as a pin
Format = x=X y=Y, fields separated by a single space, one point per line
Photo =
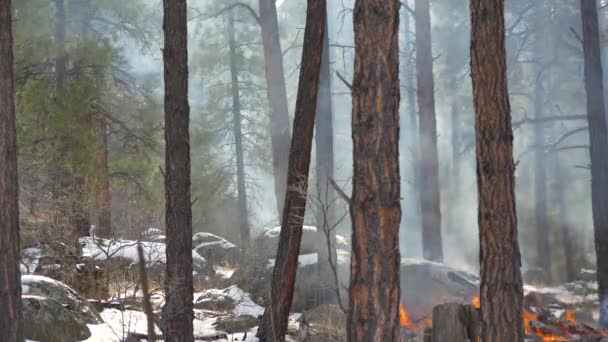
x=429 y=160
x=178 y=312
x=540 y=174
x=274 y=321
x=324 y=144
x=238 y=137
x=599 y=146
x=102 y=180
x=10 y=276
x=501 y=284
x=375 y=207
x=277 y=98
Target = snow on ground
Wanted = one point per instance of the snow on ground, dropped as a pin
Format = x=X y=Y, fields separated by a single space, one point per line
x=244 y=305
x=29 y=260
x=303 y=260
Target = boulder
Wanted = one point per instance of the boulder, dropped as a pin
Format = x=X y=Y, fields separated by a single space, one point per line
x=43 y=287
x=214 y=249
x=267 y=242
x=214 y=300
x=236 y=324
x=46 y=319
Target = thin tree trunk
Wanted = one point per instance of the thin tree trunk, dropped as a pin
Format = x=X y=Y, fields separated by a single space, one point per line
x=274 y=321
x=429 y=160
x=599 y=146
x=324 y=144
x=178 y=312
x=540 y=175
x=375 y=207
x=10 y=276
x=568 y=240
x=102 y=180
x=277 y=98
x=412 y=116
x=501 y=284
x=238 y=137
x=454 y=219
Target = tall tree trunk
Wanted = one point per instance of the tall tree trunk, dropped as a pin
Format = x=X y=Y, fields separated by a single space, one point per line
x=102 y=179
x=178 y=311
x=429 y=160
x=277 y=98
x=453 y=211
x=540 y=175
x=412 y=120
x=79 y=218
x=567 y=239
x=274 y=321
x=324 y=144
x=238 y=136
x=10 y=276
x=501 y=284
x=599 y=146
x=375 y=207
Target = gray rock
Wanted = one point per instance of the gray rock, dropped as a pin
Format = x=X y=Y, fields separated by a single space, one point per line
x=40 y=286
x=236 y=324
x=268 y=241
x=47 y=320
x=214 y=249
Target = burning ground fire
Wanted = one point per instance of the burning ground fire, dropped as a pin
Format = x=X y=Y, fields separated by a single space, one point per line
x=543 y=326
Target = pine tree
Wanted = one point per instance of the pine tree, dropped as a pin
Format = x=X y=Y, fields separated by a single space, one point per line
x=178 y=311
x=10 y=276
x=274 y=321
x=375 y=208
x=501 y=288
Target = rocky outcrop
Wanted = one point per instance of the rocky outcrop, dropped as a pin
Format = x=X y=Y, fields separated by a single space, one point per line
x=52 y=311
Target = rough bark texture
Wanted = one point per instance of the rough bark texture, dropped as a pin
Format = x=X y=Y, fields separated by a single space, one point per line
x=375 y=206
x=238 y=137
x=10 y=276
x=102 y=179
x=543 y=260
x=324 y=144
x=455 y=322
x=501 y=284
x=429 y=160
x=277 y=98
x=177 y=313
x=274 y=321
x=599 y=146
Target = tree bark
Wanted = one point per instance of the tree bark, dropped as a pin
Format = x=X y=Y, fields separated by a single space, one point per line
x=599 y=145
x=375 y=208
x=429 y=160
x=277 y=98
x=178 y=311
x=10 y=275
x=540 y=175
x=324 y=144
x=238 y=137
x=274 y=321
x=102 y=179
x=501 y=284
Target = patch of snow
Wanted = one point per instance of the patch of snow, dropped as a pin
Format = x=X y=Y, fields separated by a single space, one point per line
x=244 y=305
x=30 y=258
x=223 y=272
x=124 y=322
x=303 y=260
x=102 y=249
x=274 y=232
x=343 y=256
x=40 y=298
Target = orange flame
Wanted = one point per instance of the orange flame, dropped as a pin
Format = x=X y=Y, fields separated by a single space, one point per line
x=476 y=302
x=404 y=319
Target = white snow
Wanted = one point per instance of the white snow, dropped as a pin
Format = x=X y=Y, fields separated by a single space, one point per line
x=244 y=305
x=30 y=258
x=303 y=260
